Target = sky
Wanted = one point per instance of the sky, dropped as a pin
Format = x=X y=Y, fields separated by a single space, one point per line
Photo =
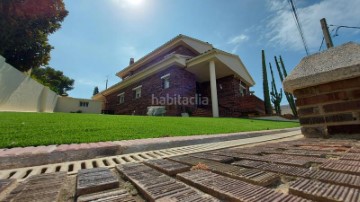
x=98 y=37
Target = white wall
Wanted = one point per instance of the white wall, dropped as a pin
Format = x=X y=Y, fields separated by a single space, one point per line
x=18 y=92
x=69 y=104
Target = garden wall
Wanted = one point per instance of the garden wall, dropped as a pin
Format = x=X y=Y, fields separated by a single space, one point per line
x=18 y=92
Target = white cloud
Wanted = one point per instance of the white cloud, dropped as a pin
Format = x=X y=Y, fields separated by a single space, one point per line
x=283 y=29
x=275 y=5
x=237 y=41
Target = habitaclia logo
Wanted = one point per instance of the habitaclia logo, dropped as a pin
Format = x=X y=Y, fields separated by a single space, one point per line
x=179 y=100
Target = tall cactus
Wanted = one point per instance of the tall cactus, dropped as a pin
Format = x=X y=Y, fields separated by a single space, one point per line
x=282 y=75
x=268 y=108
x=275 y=96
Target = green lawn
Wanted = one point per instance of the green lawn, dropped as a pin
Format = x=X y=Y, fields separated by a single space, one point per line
x=32 y=129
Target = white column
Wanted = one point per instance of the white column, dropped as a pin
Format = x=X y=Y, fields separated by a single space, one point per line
x=214 y=98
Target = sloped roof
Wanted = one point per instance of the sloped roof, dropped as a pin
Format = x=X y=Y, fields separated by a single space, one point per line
x=230 y=60
x=196 y=44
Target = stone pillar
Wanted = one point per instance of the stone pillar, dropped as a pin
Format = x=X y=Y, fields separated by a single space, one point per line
x=214 y=98
x=327 y=90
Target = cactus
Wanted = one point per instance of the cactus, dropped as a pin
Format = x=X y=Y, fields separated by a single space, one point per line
x=268 y=108
x=282 y=75
x=275 y=96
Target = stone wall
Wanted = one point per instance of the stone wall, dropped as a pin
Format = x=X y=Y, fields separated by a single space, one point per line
x=330 y=108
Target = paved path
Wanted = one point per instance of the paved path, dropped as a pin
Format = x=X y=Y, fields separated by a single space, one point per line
x=32 y=156
x=296 y=170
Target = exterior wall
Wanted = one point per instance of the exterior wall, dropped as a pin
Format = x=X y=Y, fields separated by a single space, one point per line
x=182 y=83
x=69 y=104
x=231 y=102
x=328 y=109
x=18 y=92
x=177 y=50
x=286 y=109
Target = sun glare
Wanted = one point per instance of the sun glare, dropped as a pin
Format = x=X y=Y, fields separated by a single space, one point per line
x=134 y=2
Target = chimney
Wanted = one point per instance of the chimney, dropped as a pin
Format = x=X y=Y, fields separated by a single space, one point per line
x=131 y=61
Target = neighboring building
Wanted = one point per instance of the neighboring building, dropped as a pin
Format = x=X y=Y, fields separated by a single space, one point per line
x=285 y=109
x=184 y=75
x=78 y=105
x=20 y=93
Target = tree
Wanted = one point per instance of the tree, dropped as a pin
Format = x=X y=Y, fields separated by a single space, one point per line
x=282 y=75
x=268 y=108
x=24 y=29
x=54 y=79
x=275 y=96
x=96 y=90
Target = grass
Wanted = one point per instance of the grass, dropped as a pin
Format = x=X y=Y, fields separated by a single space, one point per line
x=32 y=129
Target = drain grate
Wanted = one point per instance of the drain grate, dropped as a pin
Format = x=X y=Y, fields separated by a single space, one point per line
x=73 y=167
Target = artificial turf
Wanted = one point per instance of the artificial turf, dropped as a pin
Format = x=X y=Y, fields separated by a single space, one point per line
x=32 y=129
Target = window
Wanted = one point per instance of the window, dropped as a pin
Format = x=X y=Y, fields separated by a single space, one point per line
x=242 y=88
x=84 y=104
x=137 y=92
x=165 y=81
x=121 y=98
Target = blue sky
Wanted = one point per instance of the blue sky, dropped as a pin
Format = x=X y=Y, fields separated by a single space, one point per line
x=98 y=37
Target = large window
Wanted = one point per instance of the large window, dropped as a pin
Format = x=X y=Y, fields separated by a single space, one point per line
x=121 y=98
x=165 y=81
x=137 y=92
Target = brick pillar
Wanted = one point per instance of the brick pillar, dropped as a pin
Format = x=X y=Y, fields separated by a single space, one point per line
x=330 y=108
x=327 y=90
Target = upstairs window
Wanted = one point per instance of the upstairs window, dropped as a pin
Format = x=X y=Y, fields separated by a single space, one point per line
x=137 y=92
x=242 y=88
x=165 y=81
x=121 y=98
x=84 y=104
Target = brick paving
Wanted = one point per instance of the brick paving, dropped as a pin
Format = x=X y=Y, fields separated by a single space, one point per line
x=257 y=173
x=96 y=179
x=24 y=156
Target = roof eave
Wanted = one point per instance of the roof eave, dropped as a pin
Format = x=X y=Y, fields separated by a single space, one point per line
x=173 y=59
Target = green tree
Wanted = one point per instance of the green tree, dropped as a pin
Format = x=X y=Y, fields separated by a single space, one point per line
x=96 y=90
x=54 y=79
x=275 y=96
x=282 y=75
x=268 y=108
x=24 y=29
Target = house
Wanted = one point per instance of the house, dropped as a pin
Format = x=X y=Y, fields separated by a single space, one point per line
x=184 y=75
x=78 y=105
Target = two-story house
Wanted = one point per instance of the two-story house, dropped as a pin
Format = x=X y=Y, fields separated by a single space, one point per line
x=184 y=75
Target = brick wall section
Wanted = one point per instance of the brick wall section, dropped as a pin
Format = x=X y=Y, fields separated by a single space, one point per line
x=328 y=109
x=177 y=50
x=182 y=83
x=231 y=102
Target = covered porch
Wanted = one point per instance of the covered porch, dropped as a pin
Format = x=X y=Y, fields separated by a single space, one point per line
x=223 y=77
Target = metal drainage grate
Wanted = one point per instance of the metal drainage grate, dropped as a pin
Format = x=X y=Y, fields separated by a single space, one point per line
x=73 y=167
